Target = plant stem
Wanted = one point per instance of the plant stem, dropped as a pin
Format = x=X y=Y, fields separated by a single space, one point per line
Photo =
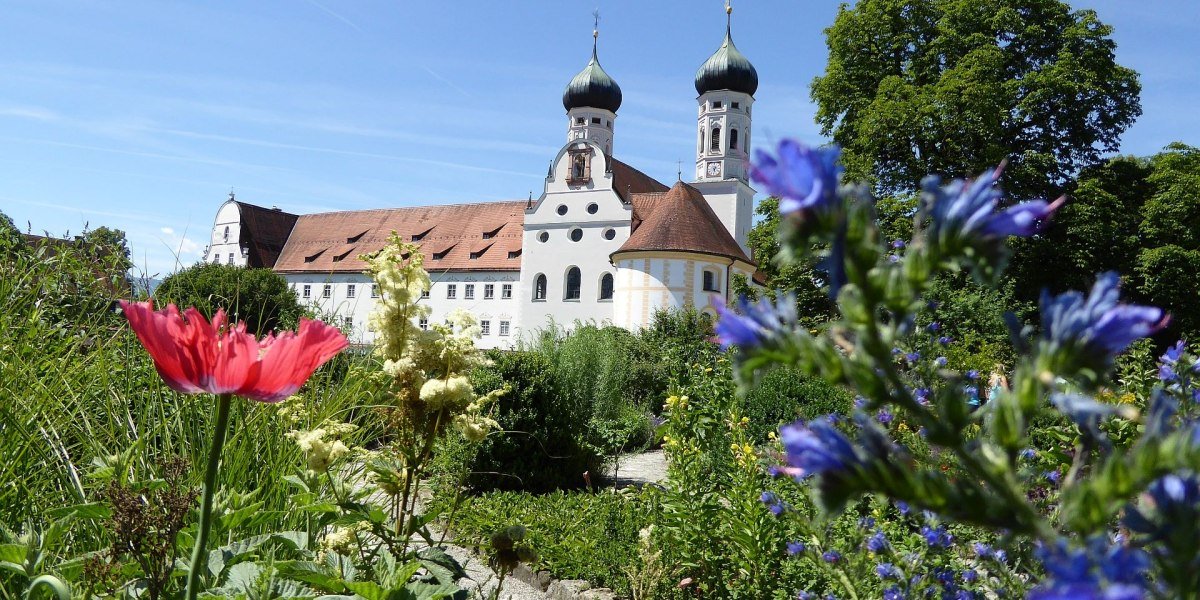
x=210 y=486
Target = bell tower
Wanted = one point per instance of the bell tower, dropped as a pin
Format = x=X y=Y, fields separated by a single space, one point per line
x=592 y=99
x=725 y=85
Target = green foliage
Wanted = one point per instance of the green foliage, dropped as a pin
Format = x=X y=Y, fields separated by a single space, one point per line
x=801 y=278
x=955 y=86
x=783 y=395
x=260 y=297
x=542 y=442
x=577 y=535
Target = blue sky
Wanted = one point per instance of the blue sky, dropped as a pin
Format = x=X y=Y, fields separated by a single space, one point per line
x=142 y=114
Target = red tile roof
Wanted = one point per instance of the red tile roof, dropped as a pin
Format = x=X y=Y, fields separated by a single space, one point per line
x=628 y=181
x=679 y=220
x=318 y=240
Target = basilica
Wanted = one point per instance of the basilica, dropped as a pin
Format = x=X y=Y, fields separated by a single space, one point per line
x=602 y=243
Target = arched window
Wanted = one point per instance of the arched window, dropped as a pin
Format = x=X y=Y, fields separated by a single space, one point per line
x=733 y=139
x=539 y=287
x=715 y=140
x=227 y=233
x=578 y=166
x=574 y=282
x=711 y=284
x=606 y=286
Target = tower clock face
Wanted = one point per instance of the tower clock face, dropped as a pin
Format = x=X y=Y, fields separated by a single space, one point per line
x=714 y=169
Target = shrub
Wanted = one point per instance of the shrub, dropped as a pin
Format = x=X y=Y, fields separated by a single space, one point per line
x=785 y=394
x=541 y=445
x=260 y=297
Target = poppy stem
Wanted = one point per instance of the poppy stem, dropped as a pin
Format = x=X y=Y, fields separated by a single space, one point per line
x=199 y=559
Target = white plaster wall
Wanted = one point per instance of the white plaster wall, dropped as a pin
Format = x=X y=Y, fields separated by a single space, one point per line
x=648 y=281
x=339 y=305
x=219 y=248
x=556 y=255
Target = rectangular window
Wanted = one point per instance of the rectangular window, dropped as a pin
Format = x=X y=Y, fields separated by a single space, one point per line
x=580 y=121
x=716 y=104
x=735 y=104
x=469 y=291
x=424 y=293
x=503 y=327
x=485 y=327
x=350 y=289
x=595 y=120
x=231 y=258
x=489 y=291
x=506 y=291
x=374 y=290
x=306 y=291
x=348 y=322
x=710 y=282
x=452 y=291
x=327 y=291
x=423 y=323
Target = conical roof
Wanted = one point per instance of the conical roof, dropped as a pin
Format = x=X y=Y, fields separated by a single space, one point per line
x=679 y=220
x=593 y=87
x=727 y=69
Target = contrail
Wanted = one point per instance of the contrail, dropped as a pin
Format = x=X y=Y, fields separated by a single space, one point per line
x=329 y=12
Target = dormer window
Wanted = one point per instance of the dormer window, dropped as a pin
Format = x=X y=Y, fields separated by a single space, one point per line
x=416 y=237
x=487 y=235
x=514 y=253
x=354 y=238
x=442 y=254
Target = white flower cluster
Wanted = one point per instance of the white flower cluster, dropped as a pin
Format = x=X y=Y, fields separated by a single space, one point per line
x=323 y=446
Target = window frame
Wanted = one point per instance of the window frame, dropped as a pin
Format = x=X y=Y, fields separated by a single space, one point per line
x=451 y=291
x=612 y=288
x=468 y=291
x=506 y=290
x=326 y=290
x=351 y=290
x=505 y=327
x=541 y=287
x=489 y=291
x=573 y=293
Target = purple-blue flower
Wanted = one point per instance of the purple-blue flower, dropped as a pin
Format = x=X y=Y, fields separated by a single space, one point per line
x=887 y=571
x=1174 y=353
x=940 y=361
x=945 y=340
x=756 y=324
x=878 y=542
x=884 y=416
x=982 y=550
x=831 y=556
x=968 y=209
x=937 y=538
x=774 y=504
x=894 y=593
x=1097 y=323
x=903 y=507
x=794 y=548
x=934 y=327
x=804 y=179
x=898 y=244
x=817 y=447
x=970 y=576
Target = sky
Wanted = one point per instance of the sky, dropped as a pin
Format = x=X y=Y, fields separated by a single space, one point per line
x=143 y=115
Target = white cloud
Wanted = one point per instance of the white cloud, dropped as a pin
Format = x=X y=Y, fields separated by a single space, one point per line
x=167 y=230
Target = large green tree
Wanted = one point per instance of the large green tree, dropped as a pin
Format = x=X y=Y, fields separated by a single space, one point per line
x=1137 y=216
x=952 y=87
x=800 y=277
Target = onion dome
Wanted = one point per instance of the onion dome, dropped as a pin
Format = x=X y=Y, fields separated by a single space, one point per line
x=593 y=87
x=727 y=69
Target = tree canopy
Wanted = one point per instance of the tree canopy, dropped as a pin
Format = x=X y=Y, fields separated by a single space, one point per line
x=260 y=297
x=952 y=87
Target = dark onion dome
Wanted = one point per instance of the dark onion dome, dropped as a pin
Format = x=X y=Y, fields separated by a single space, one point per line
x=727 y=69
x=593 y=87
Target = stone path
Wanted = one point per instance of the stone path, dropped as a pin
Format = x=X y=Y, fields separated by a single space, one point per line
x=639 y=469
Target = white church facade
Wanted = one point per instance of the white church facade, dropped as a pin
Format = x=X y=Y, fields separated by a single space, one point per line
x=602 y=243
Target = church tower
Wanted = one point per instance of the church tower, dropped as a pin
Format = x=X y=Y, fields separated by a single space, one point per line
x=726 y=83
x=592 y=99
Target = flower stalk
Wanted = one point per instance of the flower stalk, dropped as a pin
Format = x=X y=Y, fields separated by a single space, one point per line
x=199 y=557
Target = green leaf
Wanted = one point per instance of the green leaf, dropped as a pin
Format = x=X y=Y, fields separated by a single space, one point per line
x=441 y=566
x=91 y=510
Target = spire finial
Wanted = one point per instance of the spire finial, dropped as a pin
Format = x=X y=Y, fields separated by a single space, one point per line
x=231 y=193
x=679 y=170
x=728 y=15
x=595 y=30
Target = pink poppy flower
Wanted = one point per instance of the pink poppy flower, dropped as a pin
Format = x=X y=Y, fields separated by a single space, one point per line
x=193 y=355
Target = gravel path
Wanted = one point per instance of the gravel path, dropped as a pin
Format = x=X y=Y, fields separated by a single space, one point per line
x=639 y=469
